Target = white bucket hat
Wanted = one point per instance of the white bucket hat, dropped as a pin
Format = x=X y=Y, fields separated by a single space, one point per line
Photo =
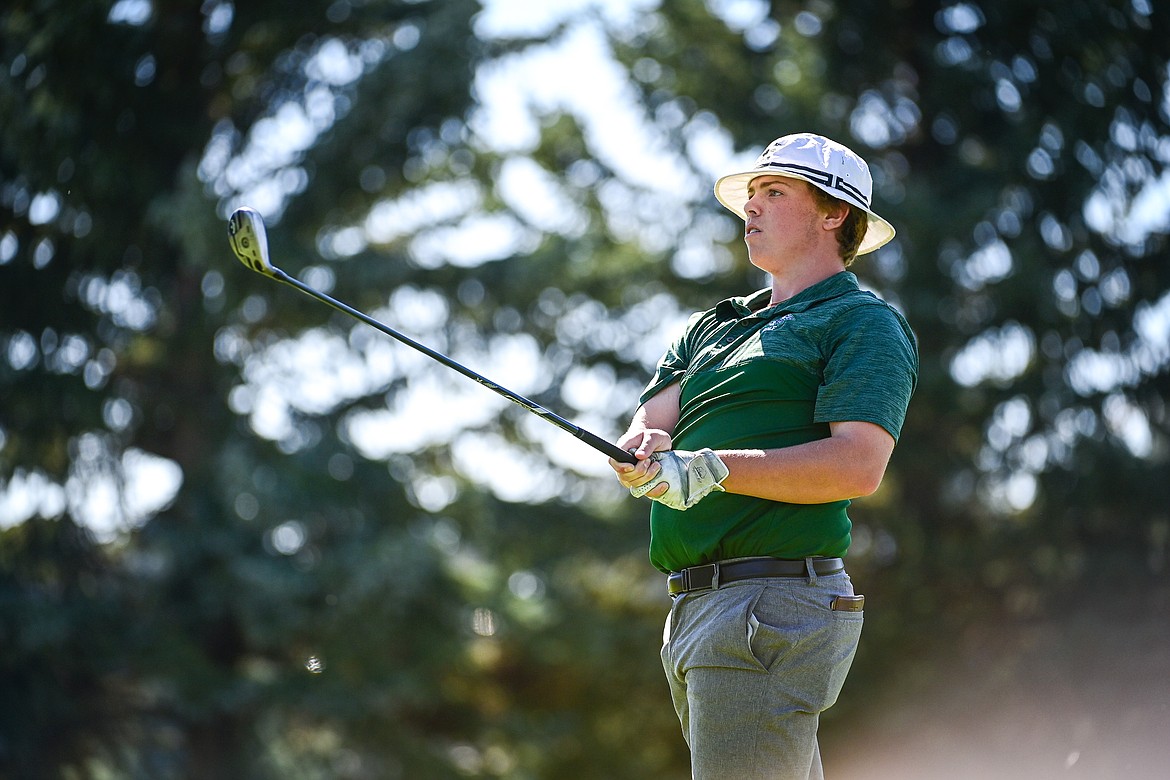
x=823 y=163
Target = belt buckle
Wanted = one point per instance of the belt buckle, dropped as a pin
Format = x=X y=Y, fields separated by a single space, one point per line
x=713 y=584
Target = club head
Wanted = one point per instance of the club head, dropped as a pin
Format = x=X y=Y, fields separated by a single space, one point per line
x=249 y=240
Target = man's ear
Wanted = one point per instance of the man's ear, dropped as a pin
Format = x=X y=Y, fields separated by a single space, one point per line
x=836 y=216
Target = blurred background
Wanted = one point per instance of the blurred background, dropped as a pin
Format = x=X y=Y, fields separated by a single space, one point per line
x=242 y=536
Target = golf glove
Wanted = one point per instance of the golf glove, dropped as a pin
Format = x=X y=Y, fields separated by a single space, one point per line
x=690 y=476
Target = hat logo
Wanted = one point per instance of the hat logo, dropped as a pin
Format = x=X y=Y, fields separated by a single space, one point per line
x=820 y=177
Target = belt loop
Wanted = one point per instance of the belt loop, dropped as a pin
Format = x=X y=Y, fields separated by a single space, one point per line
x=715 y=576
x=812 y=572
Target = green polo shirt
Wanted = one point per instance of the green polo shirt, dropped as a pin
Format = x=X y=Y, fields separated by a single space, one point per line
x=763 y=378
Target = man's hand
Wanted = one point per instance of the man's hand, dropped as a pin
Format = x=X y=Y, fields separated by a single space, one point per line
x=649 y=432
x=689 y=476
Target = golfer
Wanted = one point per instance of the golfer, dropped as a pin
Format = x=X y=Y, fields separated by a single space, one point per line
x=765 y=417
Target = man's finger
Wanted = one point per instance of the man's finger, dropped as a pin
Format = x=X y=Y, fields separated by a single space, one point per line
x=659 y=491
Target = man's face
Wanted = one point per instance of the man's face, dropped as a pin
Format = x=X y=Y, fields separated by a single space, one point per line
x=783 y=221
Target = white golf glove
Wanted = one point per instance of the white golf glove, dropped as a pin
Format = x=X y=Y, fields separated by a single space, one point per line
x=690 y=475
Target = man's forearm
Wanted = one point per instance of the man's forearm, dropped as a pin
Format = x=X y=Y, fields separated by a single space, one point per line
x=660 y=412
x=848 y=464
x=653 y=424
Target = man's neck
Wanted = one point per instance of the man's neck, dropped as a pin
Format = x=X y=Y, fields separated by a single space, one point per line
x=800 y=279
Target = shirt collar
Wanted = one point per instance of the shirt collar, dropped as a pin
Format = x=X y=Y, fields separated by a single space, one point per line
x=756 y=304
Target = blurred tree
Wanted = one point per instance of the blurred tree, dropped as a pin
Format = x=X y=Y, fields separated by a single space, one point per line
x=244 y=537
x=216 y=558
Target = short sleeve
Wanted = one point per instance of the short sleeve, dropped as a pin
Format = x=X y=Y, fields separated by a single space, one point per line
x=871 y=368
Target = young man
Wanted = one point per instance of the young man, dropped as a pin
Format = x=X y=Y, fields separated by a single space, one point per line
x=763 y=420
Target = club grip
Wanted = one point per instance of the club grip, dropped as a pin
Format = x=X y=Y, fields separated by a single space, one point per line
x=605 y=447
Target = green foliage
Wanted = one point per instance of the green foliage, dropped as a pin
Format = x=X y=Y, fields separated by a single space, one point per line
x=350 y=581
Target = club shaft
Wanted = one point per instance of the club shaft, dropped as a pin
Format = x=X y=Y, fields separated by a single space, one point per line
x=594 y=441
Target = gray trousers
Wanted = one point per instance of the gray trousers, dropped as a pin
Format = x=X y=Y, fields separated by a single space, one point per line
x=751 y=667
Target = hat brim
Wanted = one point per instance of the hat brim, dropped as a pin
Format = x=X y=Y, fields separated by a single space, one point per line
x=731 y=191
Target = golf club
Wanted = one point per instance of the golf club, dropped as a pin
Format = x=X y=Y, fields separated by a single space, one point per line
x=250 y=243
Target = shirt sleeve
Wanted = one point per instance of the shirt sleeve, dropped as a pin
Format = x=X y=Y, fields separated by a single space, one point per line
x=871 y=368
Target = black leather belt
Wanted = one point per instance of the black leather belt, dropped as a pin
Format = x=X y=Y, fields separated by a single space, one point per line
x=712 y=575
